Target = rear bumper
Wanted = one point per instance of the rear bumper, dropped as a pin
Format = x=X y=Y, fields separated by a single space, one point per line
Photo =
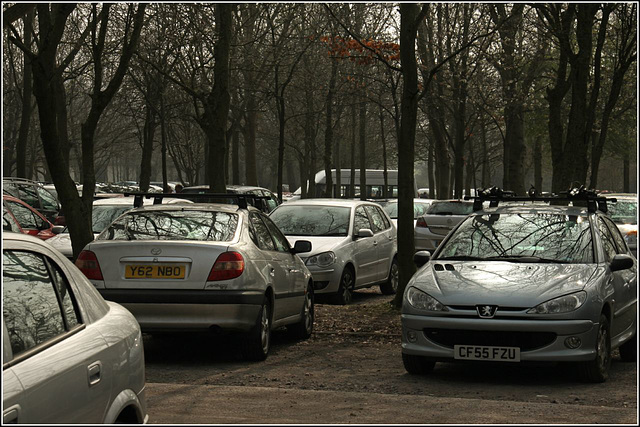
x=171 y=310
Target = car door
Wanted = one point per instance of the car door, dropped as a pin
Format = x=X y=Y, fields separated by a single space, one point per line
x=52 y=352
x=295 y=275
x=277 y=273
x=623 y=310
x=383 y=241
x=30 y=223
x=365 y=251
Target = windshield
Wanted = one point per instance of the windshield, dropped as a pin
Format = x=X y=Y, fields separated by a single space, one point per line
x=173 y=225
x=623 y=211
x=312 y=220
x=540 y=237
x=102 y=216
x=419 y=209
x=450 y=208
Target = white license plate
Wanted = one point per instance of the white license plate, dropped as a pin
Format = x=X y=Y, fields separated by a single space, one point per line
x=485 y=352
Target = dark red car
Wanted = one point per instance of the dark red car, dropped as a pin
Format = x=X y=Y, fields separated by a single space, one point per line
x=20 y=217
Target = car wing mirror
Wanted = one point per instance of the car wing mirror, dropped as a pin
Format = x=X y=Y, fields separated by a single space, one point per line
x=621 y=262
x=57 y=229
x=420 y=258
x=301 y=246
x=364 y=232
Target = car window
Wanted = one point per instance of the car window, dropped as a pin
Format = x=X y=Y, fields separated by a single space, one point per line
x=450 y=208
x=617 y=237
x=173 y=225
x=278 y=238
x=309 y=220
x=26 y=218
x=48 y=201
x=608 y=244
x=10 y=188
x=8 y=221
x=29 y=195
x=387 y=224
x=376 y=218
x=103 y=215
x=31 y=300
x=361 y=220
x=262 y=235
x=623 y=211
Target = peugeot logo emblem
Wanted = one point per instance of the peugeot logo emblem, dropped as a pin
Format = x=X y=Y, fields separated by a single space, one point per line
x=486 y=311
x=156 y=251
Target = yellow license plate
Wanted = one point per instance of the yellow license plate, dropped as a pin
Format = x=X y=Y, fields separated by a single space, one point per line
x=164 y=271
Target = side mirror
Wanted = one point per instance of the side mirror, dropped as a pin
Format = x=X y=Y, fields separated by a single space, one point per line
x=420 y=258
x=621 y=262
x=301 y=246
x=364 y=232
x=57 y=229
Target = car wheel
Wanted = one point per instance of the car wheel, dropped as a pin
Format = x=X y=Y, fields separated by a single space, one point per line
x=629 y=350
x=344 y=296
x=417 y=365
x=258 y=341
x=391 y=286
x=303 y=329
x=597 y=370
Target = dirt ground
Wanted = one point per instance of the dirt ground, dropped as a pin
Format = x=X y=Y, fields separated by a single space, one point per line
x=356 y=348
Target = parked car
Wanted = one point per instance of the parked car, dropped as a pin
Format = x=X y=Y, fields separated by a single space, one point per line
x=524 y=284
x=354 y=244
x=22 y=218
x=68 y=355
x=419 y=208
x=270 y=203
x=624 y=213
x=34 y=194
x=103 y=213
x=204 y=267
x=438 y=220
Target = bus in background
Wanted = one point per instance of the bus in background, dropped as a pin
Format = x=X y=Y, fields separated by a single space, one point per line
x=374 y=181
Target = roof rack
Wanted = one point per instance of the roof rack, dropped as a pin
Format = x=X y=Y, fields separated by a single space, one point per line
x=241 y=199
x=495 y=195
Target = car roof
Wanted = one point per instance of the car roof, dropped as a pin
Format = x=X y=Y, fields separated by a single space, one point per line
x=128 y=201
x=625 y=196
x=11 y=235
x=535 y=209
x=329 y=202
x=218 y=207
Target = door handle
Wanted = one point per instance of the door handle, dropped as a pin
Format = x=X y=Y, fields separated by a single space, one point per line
x=93 y=373
x=10 y=415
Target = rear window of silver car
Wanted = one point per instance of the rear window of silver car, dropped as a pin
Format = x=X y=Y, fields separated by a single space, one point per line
x=449 y=208
x=560 y=238
x=312 y=220
x=173 y=225
x=623 y=211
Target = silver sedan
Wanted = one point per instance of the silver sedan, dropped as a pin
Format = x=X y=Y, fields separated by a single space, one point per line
x=68 y=355
x=524 y=284
x=204 y=267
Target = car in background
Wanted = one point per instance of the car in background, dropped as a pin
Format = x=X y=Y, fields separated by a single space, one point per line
x=204 y=267
x=22 y=218
x=103 y=213
x=34 y=194
x=624 y=213
x=354 y=244
x=419 y=208
x=68 y=355
x=438 y=220
x=271 y=201
x=531 y=283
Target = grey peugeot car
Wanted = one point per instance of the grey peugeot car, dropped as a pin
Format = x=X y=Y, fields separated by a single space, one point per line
x=530 y=283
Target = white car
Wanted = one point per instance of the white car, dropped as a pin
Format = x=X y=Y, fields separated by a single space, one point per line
x=103 y=213
x=438 y=220
x=204 y=267
x=68 y=355
x=354 y=244
x=419 y=208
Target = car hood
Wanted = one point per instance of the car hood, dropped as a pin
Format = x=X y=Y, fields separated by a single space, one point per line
x=500 y=283
x=318 y=243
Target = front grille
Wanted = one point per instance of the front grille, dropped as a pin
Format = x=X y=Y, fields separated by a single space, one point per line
x=524 y=340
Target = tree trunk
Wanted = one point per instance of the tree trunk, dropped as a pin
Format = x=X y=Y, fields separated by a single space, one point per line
x=328 y=133
x=235 y=157
x=163 y=150
x=430 y=172
x=537 y=163
x=148 y=133
x=251 y=174
x=385 y=174
x=25 y=116
x=352 y=186
x=362 y=157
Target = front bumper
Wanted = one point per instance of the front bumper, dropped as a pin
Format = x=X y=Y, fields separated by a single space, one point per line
x=553 y=350
x=328 y=278
x=426 y=241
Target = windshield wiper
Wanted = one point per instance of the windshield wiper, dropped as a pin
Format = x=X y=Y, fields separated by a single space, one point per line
x=525 y=258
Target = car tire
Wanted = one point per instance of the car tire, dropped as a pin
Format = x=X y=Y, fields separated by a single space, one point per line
x=417 y=365
x=597 y=370
x=344 y=296
x=303 y=329
x=256 y=343
x=391 y=285
x=629 y=350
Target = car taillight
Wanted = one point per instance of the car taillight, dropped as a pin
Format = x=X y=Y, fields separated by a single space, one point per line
x=88 y=263
x=421 y=222
x=229 y=265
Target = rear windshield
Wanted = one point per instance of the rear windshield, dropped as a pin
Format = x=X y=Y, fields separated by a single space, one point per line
x=419 y=209
x=312 y=220
x=103 y=215
x=623 y=211
x=449 y=208
x=173 y=225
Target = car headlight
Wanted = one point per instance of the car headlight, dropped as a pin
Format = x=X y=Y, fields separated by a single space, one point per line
x=563 y=304
x=423 y=301
x=324 y=259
